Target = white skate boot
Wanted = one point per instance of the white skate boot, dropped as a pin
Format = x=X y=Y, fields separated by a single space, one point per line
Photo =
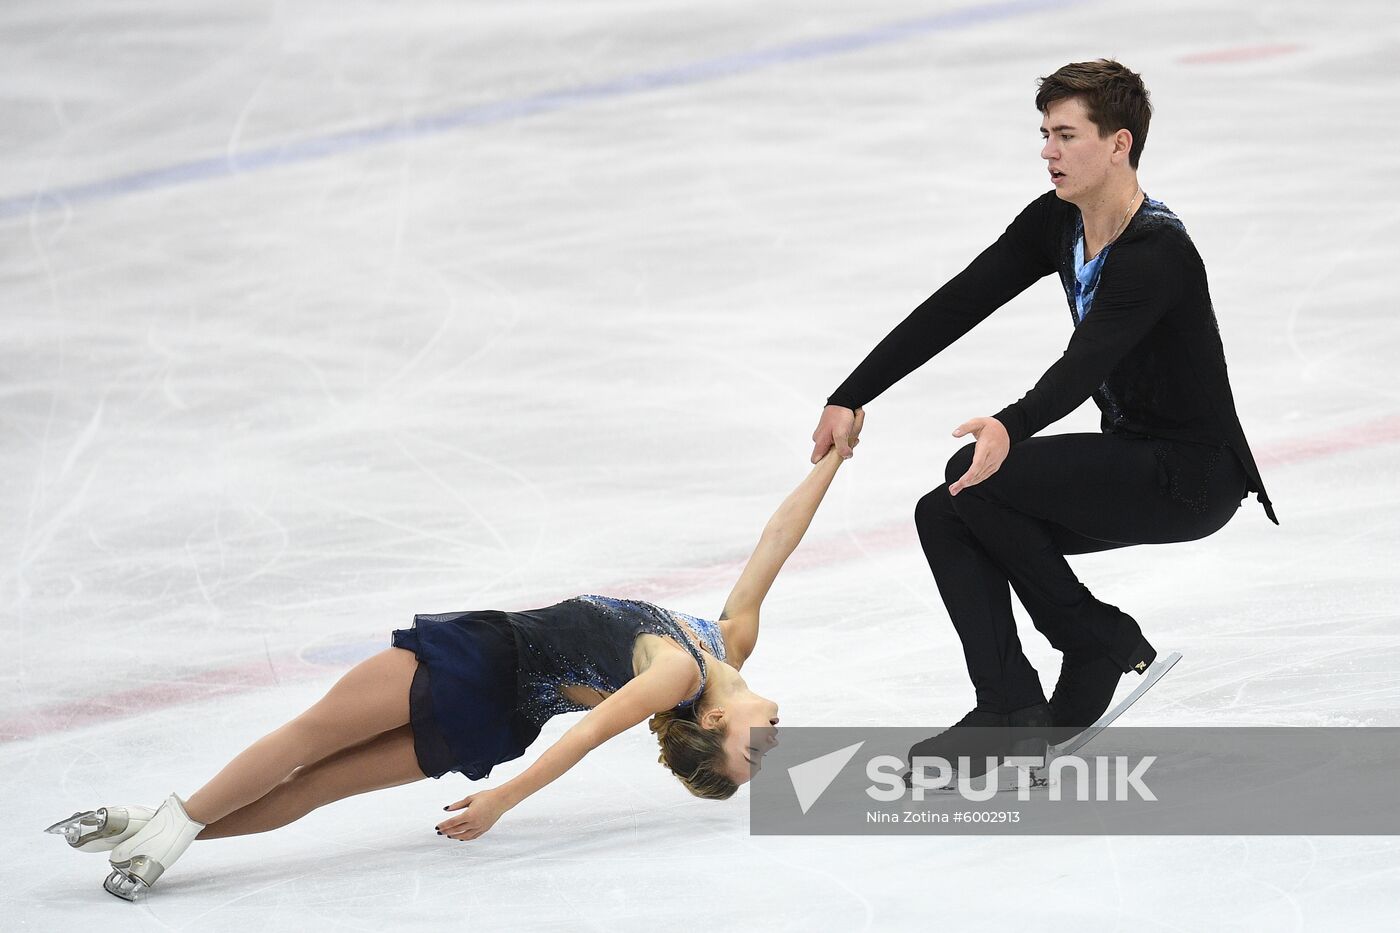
x=102 y=830
x=140 y=861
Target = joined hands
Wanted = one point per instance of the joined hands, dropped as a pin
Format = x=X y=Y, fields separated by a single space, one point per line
x=840 y=427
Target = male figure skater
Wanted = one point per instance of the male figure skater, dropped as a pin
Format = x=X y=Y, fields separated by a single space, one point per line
x=1170 y=463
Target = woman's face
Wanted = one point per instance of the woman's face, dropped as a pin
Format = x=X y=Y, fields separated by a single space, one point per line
x=752 y=724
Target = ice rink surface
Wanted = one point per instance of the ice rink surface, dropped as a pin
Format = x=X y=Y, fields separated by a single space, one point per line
x=317 y=315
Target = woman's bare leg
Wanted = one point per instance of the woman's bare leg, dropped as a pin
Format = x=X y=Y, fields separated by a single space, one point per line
x=387 y=760
x=371 y=699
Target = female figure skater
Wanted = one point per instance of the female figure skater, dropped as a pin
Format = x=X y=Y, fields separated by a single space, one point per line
x=465 y=691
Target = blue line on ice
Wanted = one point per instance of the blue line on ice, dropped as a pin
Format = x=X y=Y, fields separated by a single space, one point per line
x=330 y=144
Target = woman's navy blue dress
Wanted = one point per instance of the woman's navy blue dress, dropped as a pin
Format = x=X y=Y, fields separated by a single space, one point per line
x=488 y=681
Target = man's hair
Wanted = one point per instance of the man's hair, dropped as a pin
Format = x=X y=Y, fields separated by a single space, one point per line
x=1114 y=96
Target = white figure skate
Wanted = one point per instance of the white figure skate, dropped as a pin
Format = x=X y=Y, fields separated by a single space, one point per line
x=140 y=861
x=102 y=830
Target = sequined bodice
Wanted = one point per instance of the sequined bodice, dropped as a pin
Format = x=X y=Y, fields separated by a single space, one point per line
x=589 y=641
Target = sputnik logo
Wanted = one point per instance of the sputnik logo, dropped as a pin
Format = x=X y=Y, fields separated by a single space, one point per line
x=811 y=778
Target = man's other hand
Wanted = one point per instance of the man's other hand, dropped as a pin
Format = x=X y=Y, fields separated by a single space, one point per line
x=993 y=444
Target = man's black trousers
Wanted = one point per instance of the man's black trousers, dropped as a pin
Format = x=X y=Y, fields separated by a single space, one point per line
x=1057 y=495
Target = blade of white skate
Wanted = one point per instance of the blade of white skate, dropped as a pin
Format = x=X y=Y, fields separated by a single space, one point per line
x=1154 y=674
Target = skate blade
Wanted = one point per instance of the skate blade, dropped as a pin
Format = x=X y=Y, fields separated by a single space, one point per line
x=81 y=828
x=123 y=885
x=140 y=868
x=1154 y=673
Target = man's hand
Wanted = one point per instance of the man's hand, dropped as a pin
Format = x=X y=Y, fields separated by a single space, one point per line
x=839 y=426
x=483 y=809
x=993 y=444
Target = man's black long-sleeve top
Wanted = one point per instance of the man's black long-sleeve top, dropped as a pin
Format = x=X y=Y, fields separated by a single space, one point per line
x=1148 y=351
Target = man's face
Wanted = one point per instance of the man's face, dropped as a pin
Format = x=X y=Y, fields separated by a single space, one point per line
x=1078 y=159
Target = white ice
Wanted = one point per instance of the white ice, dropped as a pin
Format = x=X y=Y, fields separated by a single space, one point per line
x=253 y=419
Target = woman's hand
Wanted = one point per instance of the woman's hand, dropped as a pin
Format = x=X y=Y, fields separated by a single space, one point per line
x=993 y=444
x=481 y=811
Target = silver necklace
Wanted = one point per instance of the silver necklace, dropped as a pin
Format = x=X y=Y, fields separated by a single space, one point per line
x=1079 y=288
x=1122 y=224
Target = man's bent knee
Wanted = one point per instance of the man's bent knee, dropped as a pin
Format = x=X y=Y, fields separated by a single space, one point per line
x=933 y=507
x=959 y=463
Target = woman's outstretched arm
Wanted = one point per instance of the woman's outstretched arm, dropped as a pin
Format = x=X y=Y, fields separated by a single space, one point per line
x=670 y=678
x=739 y=620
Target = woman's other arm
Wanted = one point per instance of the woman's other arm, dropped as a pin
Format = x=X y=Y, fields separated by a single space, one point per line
x=671 y=678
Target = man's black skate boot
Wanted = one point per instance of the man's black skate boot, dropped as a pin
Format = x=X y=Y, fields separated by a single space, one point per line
x=1131 y=650
x=978 y=735
x=1031 y=732
x=1084 y=691
x=1141 y=657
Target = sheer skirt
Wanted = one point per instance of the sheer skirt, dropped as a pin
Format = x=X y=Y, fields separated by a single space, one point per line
x=462 y=703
